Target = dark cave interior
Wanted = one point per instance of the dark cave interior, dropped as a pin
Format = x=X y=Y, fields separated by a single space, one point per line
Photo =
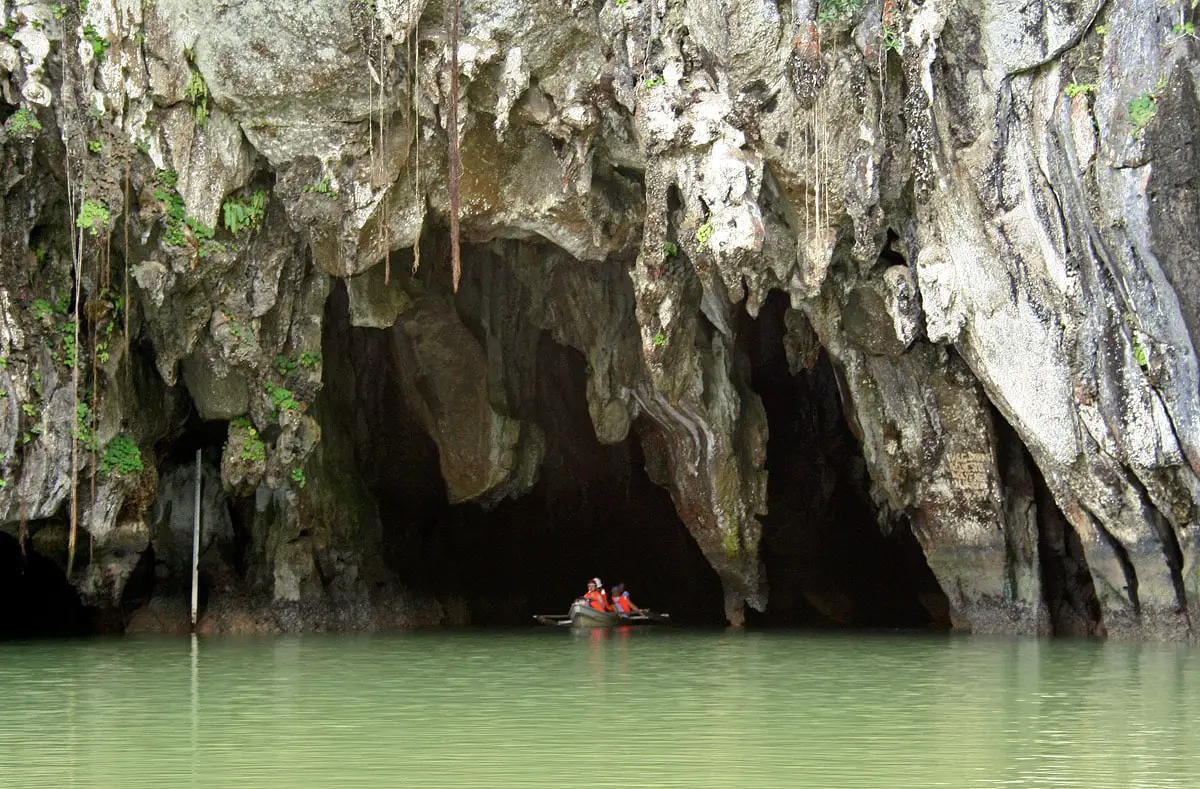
x=828 y=562
x=37 y=600
x=594 y=510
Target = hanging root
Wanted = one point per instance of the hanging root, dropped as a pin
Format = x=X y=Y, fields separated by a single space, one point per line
x=125 y=302
x=452 y=131
x=75 y=411
x=23 y=537
x=416 y=93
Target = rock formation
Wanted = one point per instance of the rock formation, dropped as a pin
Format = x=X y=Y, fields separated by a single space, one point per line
x=982 y=214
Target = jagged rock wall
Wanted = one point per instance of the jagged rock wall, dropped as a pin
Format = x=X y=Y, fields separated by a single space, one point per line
x=983 y=210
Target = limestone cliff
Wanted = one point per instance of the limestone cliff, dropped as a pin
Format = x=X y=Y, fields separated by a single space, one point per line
x=983 y=211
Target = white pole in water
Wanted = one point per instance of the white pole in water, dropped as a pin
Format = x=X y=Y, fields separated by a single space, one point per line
x=196 y=547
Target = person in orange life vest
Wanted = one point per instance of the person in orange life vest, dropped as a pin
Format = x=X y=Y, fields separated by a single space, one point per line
x=621 y=602
x=595 y=596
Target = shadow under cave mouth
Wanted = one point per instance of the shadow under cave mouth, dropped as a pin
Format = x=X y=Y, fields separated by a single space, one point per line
x=592 y=512
x=828 y=563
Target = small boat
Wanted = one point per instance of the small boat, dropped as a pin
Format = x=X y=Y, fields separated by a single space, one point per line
x=583 y=615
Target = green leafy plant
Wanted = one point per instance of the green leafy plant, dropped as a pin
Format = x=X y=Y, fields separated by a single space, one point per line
x=59 y=10
x=176 y=219
x=253 y=448
x=175 y=216
x=1187 y=28
x=41 y=309
x=197 y=93
x=281 y=399
x=200 y=230
x=1079 y=89
x=1102 y=30
x=121 y=455
x=22 y=125
x=95 y=146
x=893 y=40
x=654 y=82
x=834 y=11
x=320 y=187
x=1141 y=112
x=660 y=340
x=704 y=233
x=299 y=478
x=285 y=366
x=99 y=43
x=93 y=217
x=234 y=329
x=669 y=249
x=242 y=215
x=83 y=426
x=1139 y=353
x=68 y=343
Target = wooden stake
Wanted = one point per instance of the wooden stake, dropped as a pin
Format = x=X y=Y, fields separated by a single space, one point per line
x=196 y=546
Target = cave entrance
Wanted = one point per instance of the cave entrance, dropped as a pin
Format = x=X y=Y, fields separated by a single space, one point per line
x=35 y=598
x=593 y=510
x=828 y=562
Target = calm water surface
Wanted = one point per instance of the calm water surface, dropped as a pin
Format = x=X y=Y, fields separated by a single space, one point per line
x=642 y=709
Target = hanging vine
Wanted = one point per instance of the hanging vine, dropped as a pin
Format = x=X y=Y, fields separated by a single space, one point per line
x=454 y=174
x=387 y=229
x=416 y=124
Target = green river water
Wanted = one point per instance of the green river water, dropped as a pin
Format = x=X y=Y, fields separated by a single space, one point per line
x=544 y=708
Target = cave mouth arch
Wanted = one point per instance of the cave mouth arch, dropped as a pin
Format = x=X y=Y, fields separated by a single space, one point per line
x=828 y=562
x=593 y=510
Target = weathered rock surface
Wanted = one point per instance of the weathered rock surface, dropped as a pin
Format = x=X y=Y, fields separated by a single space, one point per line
x=986 y=215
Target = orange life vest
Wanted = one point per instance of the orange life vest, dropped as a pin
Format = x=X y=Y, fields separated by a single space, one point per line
x=623 y=605
x=597 y=600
